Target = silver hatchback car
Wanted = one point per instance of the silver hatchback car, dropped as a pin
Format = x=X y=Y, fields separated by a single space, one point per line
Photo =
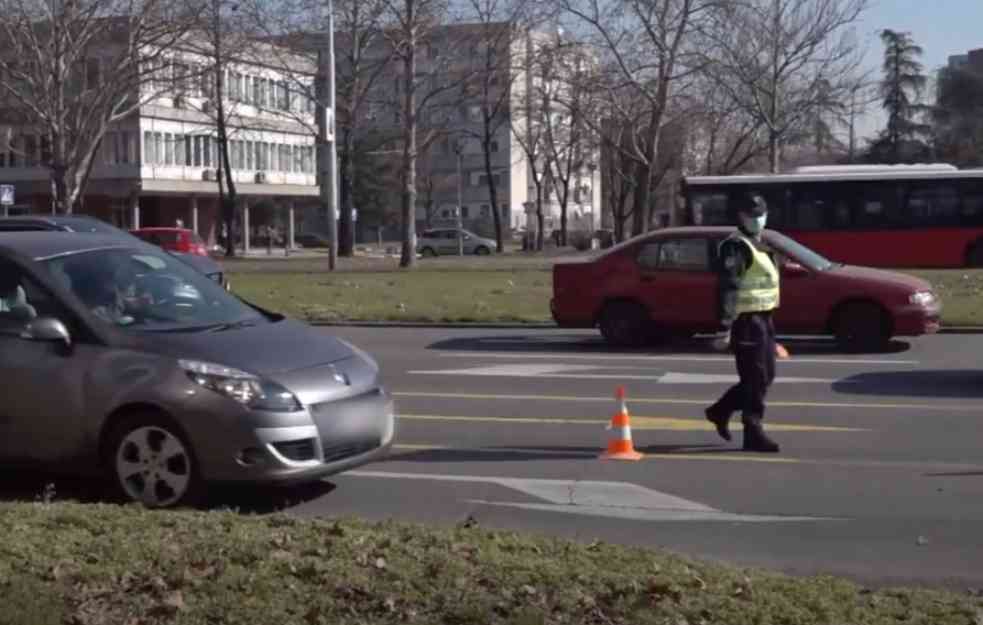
x=444 y=242
x=117 y=357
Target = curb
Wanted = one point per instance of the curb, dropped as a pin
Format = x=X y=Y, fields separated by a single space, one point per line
x=436 y=325
x=518 y=325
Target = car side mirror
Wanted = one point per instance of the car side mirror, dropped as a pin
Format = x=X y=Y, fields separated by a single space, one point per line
x=793 y=269
x=48 y=330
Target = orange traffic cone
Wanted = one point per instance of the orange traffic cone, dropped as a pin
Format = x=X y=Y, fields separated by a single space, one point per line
x=620 y=446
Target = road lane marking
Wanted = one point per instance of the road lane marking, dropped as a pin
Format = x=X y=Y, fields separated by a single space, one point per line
x=594 y=498
x=637 y=423
x=685 y=402
x=410 y=448
x=407 y=449
x=586 y=372
x=650 y=358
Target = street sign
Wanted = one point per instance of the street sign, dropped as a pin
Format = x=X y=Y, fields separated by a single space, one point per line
x=6 y=195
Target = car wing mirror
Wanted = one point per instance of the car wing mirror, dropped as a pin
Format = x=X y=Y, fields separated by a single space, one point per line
x=47 y=330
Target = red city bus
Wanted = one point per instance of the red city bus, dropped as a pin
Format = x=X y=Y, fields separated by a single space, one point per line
x=873 y=215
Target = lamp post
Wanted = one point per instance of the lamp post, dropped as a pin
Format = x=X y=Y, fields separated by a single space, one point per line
x=591 y=167
x=328 y=147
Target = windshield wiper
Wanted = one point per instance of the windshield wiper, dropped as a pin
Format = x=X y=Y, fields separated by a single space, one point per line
x=235 y=325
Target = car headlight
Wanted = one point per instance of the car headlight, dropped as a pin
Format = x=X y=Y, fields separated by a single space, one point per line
x=245 y=388
x=922 y=298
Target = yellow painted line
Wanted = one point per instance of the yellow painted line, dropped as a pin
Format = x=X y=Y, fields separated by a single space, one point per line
x=673 y=424
x=723 y=457
x=736 y=456
x=689 y=402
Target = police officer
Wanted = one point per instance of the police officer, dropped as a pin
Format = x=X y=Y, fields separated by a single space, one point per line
x=749 y=292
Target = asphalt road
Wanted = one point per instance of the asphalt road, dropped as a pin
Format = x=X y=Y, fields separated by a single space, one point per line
x=880 y=476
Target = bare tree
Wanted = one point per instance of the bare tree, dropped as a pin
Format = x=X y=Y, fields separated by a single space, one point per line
x=70 y=70
x=783 y=59
x=224 y=40
x=361 y=58
x=567 y=102
x=501 y=25
x=529 y=108
x=645 y=42
x=425 y=78
x=723 y=136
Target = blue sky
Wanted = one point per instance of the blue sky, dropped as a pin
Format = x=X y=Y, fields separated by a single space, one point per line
x=941 y=27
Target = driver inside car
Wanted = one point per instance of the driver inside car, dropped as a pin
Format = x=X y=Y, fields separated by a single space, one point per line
x=13 y=299
x=107 y=291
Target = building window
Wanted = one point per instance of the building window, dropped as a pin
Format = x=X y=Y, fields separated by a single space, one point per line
x=485 y=210
x=493 y=146
x=168 y=149
x=258 y=92
x=465 y=212
x=283 y=94
x=249 y=155
x=196 y=152
x=206 y=151
x=247 y=89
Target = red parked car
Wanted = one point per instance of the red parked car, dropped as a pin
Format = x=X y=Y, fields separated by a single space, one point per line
x=664 y=283
x=173 y=239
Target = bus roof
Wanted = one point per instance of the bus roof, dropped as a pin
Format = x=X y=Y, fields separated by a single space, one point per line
x=845 y=173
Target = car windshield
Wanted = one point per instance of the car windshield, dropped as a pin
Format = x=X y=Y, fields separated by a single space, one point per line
x=146 y=291
x=798 y=252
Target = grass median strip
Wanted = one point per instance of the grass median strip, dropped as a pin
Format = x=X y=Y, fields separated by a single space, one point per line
x=495 y=290
x=69 y=563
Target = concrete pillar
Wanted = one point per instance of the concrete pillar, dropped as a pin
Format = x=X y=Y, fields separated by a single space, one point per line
x=245 y=225
x=194 y=213
x=134 y=211
x=291 y=233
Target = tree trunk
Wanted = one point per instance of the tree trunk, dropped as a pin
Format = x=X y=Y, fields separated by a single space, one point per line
x=492 y=191
x=408 y=258
x=59 y=176
x=774 y=152
x=346 y=243
x=229 y=203
x=540 y=218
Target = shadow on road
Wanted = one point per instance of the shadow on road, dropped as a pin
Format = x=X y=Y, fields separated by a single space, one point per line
x=527 y=454
x=956 y=474
x=23 y=486
x=590 y=344
x=956 y=383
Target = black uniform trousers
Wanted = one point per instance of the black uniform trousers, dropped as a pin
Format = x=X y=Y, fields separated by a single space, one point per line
x=752 y=339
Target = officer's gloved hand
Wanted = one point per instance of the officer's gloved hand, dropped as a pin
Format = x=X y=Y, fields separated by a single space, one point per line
x=721 y=342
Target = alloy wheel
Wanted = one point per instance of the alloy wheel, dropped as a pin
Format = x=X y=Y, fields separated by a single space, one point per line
x=153 y=466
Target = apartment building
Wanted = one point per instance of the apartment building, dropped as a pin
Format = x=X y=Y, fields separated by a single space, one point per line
x=160 y=167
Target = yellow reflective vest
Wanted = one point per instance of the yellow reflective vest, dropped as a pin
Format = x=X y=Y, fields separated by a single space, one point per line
x=759 y=289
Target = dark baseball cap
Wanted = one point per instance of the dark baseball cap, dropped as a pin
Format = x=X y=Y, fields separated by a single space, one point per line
x=752 y=204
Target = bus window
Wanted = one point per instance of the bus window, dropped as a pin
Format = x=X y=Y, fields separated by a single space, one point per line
x=972 y=205
x=936 y=205
x=808 y=206
x=875 y=205
x=708 y=208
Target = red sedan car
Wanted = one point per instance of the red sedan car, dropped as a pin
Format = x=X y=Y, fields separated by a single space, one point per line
x=664 y=283
x=173 y=239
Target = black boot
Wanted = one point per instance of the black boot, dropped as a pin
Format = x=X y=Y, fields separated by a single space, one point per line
x=755 y=438
x=720 y=420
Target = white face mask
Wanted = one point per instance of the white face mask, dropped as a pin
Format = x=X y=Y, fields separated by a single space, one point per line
x=754 y=225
